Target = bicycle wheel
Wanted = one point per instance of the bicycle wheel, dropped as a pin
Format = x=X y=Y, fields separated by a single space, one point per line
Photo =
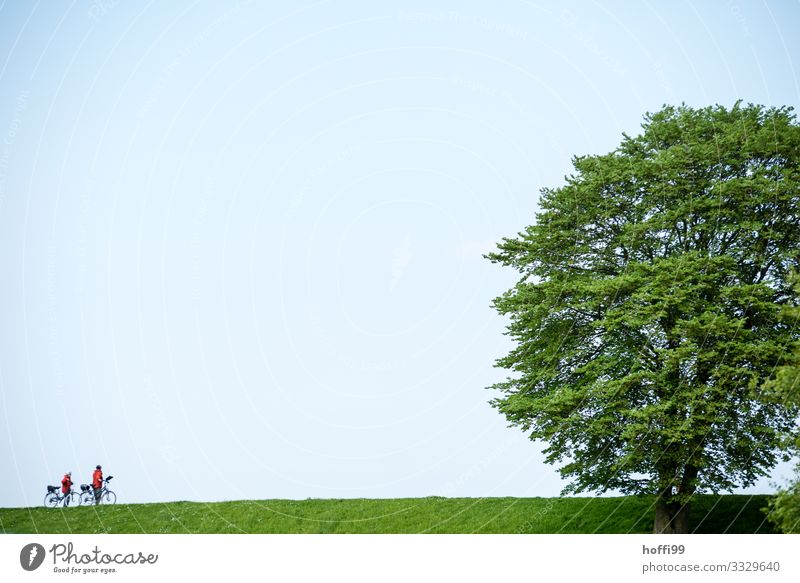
x=74 y=499
x=51 y=500
x=87 y=498
x=109 y=497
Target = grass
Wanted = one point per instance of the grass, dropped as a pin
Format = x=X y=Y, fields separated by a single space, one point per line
x=633 y=514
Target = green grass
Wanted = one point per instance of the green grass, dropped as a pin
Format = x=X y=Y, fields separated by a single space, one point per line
x=709 y=514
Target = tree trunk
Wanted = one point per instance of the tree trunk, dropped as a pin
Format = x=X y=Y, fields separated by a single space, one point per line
x=671 y=517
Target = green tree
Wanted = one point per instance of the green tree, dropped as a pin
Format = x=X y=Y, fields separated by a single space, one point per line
x=784 y=509
x=648 y=312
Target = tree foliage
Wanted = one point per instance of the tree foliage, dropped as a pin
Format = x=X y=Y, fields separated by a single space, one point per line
x=648 y=312
x=784 y=508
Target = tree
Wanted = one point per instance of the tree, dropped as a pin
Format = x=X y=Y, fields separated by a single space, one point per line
x=648 y=312
x=784 y=508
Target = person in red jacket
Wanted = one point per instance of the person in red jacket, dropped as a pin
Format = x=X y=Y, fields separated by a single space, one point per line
x=97 y=483
x=66 y=483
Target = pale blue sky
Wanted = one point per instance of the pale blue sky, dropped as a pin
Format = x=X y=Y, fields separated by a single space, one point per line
x=241 y=245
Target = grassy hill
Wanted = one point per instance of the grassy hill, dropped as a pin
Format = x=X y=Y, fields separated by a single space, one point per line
x=709 y=514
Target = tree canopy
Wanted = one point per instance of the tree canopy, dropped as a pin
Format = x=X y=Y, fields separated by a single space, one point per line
x=784 y=508
x=648 y=312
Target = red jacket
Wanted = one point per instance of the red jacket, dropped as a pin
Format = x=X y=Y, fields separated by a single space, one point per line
x=97 y=479
x=66 y=484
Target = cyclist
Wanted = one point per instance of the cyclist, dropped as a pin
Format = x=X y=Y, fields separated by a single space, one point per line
x=97 y=483
x=66 y=483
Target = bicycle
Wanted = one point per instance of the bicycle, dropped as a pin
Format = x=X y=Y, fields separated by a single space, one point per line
x=53 y=497
x=106 y=496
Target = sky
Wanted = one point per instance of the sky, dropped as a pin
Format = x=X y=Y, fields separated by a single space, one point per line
x=241 y=242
